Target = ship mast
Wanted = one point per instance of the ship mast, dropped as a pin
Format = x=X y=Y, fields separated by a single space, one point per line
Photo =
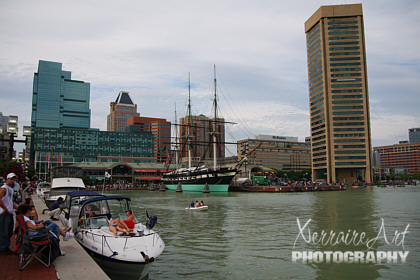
x=189 y=122
x=214 y=122
x=176 y=139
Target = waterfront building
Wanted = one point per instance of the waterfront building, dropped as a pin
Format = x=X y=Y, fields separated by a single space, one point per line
x=161 y=130
x=338 y=94
x=120 y=111
x=201 y=137
x=57 y=100
x=276 y=152
x=60 y=126
x=414 y=135
x=127 y=172
x=65 y=146
x=404 y=157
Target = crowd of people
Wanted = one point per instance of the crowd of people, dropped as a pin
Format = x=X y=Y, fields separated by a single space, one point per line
x=12 y=204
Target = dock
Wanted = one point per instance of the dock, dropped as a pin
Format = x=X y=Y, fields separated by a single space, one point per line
x=75 y=265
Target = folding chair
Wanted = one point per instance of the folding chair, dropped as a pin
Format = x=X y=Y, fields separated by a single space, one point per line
x=31 y=247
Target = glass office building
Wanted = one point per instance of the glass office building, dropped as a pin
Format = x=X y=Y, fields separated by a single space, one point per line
x=57 y=100
x=60 y=126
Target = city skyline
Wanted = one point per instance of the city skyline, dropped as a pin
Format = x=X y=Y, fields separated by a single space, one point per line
x=261 y=63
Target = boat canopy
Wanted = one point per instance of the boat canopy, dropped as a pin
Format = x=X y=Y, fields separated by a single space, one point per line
x=100 y=205
x=86 y=201
x=73 y=198
x=83 y=193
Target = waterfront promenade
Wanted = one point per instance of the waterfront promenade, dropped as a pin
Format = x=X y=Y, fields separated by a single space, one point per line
x=75 y=265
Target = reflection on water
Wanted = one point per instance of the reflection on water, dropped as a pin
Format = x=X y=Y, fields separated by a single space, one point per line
x=251 y=235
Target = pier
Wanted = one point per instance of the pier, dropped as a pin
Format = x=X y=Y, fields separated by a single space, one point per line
x=75 y=265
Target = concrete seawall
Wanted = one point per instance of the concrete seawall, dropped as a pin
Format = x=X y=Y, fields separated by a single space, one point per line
x=76 y=264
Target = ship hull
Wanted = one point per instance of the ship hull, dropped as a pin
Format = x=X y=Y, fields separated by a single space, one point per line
x=217 y=181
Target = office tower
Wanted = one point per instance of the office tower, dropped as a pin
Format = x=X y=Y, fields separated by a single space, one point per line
x=277 y=152
x=201 y=137
x=338 y=94
x=60 y=130
x=120 y=111
x=57 y=100
x=414 y=135
x=161 y=130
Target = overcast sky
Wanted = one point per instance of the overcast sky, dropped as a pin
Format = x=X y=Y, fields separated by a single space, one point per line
x=258 y=47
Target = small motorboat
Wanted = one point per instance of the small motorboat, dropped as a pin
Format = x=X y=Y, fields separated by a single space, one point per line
x=143 y=245
x=43 y=189
x=198 y=208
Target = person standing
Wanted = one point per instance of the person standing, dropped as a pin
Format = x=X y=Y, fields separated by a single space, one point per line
x=6 y=213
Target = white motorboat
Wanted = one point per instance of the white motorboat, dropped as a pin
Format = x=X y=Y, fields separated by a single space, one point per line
x=61 y=186
x=198 y=208
x=43 y=189
x=143 y=245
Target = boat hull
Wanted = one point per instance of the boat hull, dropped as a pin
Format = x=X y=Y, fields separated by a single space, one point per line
x=199 y=187
x=218 y=181
x=200 y=208
x=122 y=249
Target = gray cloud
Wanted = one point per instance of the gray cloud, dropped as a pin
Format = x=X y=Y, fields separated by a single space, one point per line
x=148 y=48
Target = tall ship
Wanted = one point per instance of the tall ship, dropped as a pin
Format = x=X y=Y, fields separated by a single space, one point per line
x=195 y=178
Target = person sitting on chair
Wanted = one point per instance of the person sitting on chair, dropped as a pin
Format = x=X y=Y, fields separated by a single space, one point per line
x=118 y=225
x=25 y=211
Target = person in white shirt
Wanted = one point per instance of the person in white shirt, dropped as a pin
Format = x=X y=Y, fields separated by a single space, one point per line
x=6 y=213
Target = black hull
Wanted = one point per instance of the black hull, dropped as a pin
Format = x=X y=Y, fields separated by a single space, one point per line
x=211 y=177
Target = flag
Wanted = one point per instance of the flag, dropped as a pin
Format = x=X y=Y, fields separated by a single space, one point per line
x=47 y=158
x=107 y=175
x=58 y=158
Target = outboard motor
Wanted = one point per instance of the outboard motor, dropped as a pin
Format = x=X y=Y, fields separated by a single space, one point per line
x=151 y=221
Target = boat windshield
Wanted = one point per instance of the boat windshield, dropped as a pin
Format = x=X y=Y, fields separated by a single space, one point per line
x=62 y=191
x=95 y=222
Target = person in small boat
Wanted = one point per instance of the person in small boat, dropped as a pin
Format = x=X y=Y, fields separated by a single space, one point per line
x=197 y=204
x=131 y=219
x=25 y=211
x=201 y=203
x=192 y=205
x=116 y=225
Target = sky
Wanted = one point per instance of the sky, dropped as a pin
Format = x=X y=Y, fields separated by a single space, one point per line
x=259 y=49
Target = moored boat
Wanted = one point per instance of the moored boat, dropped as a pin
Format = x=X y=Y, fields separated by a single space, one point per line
x=143 y=245
x=43 y=189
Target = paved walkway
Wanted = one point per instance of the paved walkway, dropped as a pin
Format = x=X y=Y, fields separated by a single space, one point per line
x=75 y=265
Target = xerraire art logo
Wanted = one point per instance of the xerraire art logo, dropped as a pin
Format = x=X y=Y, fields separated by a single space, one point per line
x=350 y=238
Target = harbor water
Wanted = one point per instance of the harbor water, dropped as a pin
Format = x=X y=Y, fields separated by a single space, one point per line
x=253 y=235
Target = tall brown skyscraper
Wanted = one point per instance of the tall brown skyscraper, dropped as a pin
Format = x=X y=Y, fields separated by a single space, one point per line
x=120 y=111
x=338 y=94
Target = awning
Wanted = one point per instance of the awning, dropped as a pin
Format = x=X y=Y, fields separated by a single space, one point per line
x=146 y=170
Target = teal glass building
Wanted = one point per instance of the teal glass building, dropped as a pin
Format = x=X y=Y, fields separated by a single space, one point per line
x=57 y=100
x=60 y=126
x=70 y=145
